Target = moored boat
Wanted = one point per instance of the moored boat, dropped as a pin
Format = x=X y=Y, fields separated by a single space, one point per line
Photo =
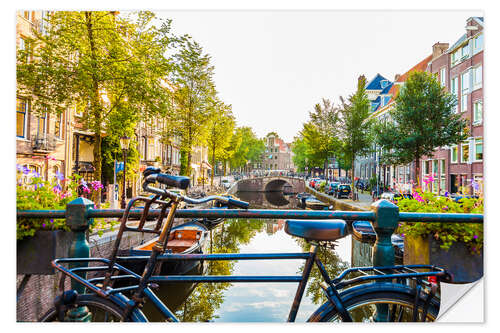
x=315 y=204
x=364 y=232
x=187 y=238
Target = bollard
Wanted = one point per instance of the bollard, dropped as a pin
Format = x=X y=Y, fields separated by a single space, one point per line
x=386 y=222
x=77 y=221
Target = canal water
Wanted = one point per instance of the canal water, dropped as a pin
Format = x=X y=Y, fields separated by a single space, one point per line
x=257 y=302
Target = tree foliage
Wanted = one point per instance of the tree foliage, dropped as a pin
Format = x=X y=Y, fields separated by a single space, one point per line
x=355 y=125
x=245 y=147
x=220 y=131
x=109 y=66
x=423 y=120
x=319 y=134
x=194 y=95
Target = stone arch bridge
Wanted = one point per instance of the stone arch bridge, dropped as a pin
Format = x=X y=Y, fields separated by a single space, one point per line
x=270 y=184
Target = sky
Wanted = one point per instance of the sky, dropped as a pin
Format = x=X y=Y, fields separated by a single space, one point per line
x=274 y=66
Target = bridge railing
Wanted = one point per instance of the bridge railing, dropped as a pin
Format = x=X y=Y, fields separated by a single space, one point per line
x=384 y=217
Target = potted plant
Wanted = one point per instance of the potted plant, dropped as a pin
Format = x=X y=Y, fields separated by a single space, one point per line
x=457 y=247
x=39 y=241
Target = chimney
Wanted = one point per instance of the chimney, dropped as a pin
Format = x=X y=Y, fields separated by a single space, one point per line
x=396 y=77
x=438 y=49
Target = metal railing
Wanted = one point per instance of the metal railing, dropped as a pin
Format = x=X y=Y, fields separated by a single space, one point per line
x=43 y=142
x=384 y=217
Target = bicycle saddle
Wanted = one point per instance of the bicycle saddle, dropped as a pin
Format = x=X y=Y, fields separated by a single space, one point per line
x=320 y=230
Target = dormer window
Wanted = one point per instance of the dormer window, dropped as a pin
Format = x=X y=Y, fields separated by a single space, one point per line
x=384 y=83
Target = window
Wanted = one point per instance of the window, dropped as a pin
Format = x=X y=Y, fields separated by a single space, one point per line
x=465 y=51
x=465 y=90
x=442 y=178
x=477 y=112
x=24 y=45
x=454 y=58
x=21 y=117
x=42 y=125
x=464 y=158
x=275 y=157
x=478 y=150
x=442 y=76
x=477 y=77
x=477 y=44
x=151 y=149
x=28 y=15
x=454 y=90
x=454 y=154
x=58 y=126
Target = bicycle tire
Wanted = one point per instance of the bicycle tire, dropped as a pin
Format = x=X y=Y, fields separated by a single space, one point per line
x=102 y=310
x=361 y=303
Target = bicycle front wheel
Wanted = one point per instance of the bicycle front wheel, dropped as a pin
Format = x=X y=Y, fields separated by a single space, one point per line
x=379 y=302
x=99 y=309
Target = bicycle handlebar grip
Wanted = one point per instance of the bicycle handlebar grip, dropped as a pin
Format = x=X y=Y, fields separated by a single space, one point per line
x=175 y=181
x=237 y=203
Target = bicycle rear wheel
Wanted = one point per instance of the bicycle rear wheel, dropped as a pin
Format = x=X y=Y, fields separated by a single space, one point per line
x=101 y=310
x=362 y=303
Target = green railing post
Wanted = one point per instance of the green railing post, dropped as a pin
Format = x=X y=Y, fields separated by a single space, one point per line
x=386 y=222
x=78 y=222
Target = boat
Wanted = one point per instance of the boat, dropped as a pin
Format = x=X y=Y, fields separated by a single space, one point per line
x=187 y=238
x=314 y=204
x=363 y=231
x=301 y=198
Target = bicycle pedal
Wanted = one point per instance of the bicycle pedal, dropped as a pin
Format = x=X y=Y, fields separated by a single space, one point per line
x=154 y=286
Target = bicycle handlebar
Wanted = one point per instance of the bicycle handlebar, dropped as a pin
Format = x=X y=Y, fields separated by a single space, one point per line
x=183 y=183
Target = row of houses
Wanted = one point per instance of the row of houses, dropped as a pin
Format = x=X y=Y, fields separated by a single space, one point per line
x=51 y=143
x=459 y=68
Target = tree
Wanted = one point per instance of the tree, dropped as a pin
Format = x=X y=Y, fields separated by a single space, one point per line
x=245 y=147
x=194 y=95
x=355 y=125
x=423 y=119
x=220 y=131
x=320 y=134
x=110 y=66
x=299 y=149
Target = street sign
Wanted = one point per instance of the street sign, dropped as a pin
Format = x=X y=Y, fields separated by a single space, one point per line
x=119 y=166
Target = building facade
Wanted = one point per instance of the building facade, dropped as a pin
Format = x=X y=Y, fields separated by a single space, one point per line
x=277 y=156
x=460 y=71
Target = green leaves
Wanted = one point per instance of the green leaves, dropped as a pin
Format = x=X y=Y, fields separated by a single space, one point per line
x=245 y=147
x=424 y=119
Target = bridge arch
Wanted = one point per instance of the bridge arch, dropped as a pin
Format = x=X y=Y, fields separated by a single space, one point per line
x=276 y=185
x=270 y=184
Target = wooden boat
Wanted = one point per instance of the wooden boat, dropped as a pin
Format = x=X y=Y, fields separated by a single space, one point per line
x=314 y=204
x=188 y=238
x=363 y=231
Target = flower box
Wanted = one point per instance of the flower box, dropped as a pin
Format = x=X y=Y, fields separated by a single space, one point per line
x=465 y=267
x=34 y=254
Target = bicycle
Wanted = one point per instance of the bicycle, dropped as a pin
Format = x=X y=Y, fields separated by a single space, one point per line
x=395 y=293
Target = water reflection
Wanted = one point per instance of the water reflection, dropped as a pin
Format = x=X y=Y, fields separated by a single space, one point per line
x=246 y=302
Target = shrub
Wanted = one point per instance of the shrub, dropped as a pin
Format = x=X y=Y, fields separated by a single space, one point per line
x=38 y=194
x=448 y=233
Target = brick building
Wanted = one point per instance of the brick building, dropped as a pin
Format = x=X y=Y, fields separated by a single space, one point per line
x=460 y=71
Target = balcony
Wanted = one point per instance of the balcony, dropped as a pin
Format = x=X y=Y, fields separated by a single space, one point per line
x=43 y=142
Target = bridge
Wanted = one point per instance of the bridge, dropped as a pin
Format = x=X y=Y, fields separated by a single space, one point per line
x=270 y=184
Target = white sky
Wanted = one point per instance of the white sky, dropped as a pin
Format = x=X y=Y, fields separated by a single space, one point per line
x=273 y=66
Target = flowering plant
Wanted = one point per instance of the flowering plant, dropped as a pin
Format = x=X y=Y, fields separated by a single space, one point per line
x=448 y=233
x=34 y=193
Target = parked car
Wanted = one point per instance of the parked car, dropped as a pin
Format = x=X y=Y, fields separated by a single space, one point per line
x=317 y=185
x=394 y=197
x=226 y=184
x=313 y=182
x=344 y=190
x=331 y=189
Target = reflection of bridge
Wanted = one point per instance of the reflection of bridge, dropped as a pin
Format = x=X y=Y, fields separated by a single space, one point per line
x=270 y=184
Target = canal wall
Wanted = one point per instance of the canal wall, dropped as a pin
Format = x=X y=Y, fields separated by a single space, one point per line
x=336 y=203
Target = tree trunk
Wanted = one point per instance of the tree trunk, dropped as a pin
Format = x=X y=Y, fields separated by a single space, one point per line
x=96 y=109
x=417 y=169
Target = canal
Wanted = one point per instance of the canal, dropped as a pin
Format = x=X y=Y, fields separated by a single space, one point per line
x=257 y=302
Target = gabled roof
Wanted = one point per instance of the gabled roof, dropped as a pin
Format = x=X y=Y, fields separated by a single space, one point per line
x=386 y=89
x=457 y=43
x=374 y=84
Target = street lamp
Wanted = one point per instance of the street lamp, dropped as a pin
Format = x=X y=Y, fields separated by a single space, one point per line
x=124 y=144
